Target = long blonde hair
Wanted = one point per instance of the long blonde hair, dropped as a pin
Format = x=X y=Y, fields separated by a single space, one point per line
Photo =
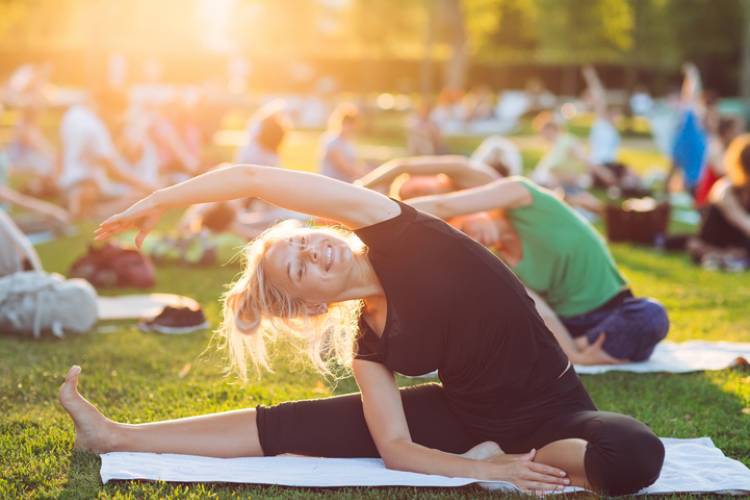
x=257 y=313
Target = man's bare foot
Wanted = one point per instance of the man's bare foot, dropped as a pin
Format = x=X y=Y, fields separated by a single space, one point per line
x=484 y=451
x=94 y=431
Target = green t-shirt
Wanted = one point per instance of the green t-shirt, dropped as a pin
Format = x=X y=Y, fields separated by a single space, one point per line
x=564 y=259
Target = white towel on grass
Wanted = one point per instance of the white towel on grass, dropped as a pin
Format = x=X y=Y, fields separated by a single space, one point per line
x=682 y=357
x=691 y=465
x=675 y=357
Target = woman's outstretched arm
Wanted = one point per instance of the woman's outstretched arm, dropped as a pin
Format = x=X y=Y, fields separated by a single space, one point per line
x=458 y=168
x=304 y=192
x=505 y=193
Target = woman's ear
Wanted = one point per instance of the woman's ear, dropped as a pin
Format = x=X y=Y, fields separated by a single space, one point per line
x=316 y=309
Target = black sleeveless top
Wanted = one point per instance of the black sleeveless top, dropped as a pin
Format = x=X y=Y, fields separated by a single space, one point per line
x=456 y=308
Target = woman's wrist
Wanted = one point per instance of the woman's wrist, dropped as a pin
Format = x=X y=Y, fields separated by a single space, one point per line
x=157 y=199
x=490 y=471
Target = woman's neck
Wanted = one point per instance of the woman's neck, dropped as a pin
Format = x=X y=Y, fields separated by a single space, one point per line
x=363 y=281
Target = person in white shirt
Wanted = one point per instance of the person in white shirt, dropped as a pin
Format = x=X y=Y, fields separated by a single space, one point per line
x=338 y=158
x=90 y=158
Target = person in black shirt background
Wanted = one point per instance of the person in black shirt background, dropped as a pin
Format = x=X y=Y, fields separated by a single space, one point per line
x=408 y=294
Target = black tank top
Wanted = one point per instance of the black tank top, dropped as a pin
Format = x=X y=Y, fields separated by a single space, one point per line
x=456 y=308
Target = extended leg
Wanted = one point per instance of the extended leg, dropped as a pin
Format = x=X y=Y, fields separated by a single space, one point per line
x=229 y=434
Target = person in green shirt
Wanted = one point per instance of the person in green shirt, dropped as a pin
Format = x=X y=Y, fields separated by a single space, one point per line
x=563 y=261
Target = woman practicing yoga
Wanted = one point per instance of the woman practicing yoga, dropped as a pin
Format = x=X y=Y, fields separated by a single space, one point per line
x=420 y=296
x=562 y=260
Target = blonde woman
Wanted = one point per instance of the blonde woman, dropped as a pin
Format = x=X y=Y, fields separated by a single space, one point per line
x=419 y=296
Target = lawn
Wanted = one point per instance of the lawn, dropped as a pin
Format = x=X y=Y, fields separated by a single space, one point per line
x=139 y=377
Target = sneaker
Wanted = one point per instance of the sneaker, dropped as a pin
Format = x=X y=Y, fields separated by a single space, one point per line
x=175 y=321
x=734 y=264
x=711 y=262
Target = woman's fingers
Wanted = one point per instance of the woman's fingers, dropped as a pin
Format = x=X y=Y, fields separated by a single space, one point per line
x=148 y=224
x=547 y=469
x=551 y=479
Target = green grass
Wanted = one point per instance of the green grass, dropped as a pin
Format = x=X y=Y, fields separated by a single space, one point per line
x=140 y=377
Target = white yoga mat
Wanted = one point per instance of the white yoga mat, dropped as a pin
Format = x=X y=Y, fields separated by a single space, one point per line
x=682 y=357
x=691 y=465
x=140 y=306
x=675 y=357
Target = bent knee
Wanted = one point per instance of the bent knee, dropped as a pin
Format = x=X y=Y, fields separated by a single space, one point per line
x=629 y=457
x=652 y=329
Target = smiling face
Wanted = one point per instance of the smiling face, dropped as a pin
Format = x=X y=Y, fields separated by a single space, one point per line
x=313 y=265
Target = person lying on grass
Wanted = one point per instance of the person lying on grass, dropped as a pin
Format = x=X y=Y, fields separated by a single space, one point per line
x=397 y=291
x=563 y=261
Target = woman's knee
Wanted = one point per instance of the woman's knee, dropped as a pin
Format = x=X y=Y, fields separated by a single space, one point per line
x=625 y=457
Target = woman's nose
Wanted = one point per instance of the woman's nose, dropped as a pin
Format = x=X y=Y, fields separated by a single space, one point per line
x=310 y=253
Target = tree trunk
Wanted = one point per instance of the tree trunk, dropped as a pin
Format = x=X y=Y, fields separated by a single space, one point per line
x=457 y=65
x=745 y=64
x=426 y=73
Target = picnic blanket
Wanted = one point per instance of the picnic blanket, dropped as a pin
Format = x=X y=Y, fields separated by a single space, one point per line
x=691 y=465
x=682 y=357
x=140 y=306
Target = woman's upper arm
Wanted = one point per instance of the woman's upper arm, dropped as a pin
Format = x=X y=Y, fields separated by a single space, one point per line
x=319 y=196
x=381 y=402
x=506 y=193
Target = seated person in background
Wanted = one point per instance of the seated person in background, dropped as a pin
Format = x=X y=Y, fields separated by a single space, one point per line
x=178 y=140
x=338 y=157
x=500 y=154
x=247 y=218
x=479 y=104
x=495 y=157
x=16 y=251
x=423 y=175
x=423 y=136
x=29 y=150
x=719 y=139
x=266 y=132
x=604 y=141
x=724 y=237
x=690 y=144
x=565 y=166
x=53 y=215
x=90 y=157
x=560 y=257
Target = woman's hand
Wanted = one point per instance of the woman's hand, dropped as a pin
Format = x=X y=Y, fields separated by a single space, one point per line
x=143 y=215
x=530 y=476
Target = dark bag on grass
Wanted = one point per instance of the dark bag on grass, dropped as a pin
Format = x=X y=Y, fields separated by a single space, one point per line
x=638 y=220
x=114 y=266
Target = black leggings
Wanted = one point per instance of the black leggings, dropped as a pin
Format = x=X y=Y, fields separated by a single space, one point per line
x=622 y=455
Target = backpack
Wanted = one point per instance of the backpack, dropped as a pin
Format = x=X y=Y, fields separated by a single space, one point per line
x=643 y=221
x=34 y=302
x=114 y=266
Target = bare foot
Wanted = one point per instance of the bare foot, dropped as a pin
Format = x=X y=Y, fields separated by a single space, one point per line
x=94 y=431
x=484 y=451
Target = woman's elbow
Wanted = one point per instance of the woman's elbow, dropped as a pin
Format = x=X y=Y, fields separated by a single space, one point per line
x=393 y=456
